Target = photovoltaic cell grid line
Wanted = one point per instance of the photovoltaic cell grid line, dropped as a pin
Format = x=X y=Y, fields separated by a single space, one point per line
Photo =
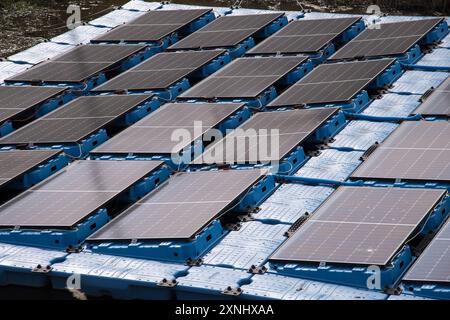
x=74 y=193
x=332 y=83
x=227 y=31
x=438 y=103
x=306 y=36
x=386 y=40
x=16 y=100
x=433 y=265
x=78 y=64
x=414 y=151
x=152 y=26
x=293 y=127
x=153 y=134
x=244 y=78
x=360 y=225
x=14 y=163
x=75 y=121
x=161 y=71
x=180 y=208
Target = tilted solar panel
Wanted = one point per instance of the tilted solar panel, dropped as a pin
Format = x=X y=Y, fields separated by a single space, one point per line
x=438 y=103
x=433 y=265
x=284 y=130
x=226 y=31
x=360 y=225
x=14 y=163
x=73 y=193
x=332 y=83
x=78 y=64
x=16 y=100
x=415 y=151
x=161 y=71
x=98 y=53
x=152 y=26
x=244 y=78
x=75 y=121
x=181 y=207
x=304 y=36
x=153 y=134
x=386 y=40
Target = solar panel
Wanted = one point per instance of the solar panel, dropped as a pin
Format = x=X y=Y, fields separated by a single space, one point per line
x=387 y=40
x=161 y=71
x=75 y=121
x=304 y=36
x=360 y=225
x=180 y=208
x=152 y=26
x=78 y=64
x=415 y=151
x=153 y=134
x=16 y=100
x=332 y=83
x=15 y=163
x=244 y=78
x=293 y=127
x=226 y=31
x=433 y=265
x=73 y=194
x=438 y=103
x=98 y=53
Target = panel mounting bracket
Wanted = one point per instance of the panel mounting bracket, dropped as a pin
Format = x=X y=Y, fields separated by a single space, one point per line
x=369 y=151
x=71 y=249
x=194 y=262
x=229 y=291
x=297 y=224
x=233 y=226
x=40 y=269
x=257 y=269
x=168 y=283
x=393 y=291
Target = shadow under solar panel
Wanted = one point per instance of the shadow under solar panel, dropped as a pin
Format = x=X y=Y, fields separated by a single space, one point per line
x=180 y=208
x=360 y=225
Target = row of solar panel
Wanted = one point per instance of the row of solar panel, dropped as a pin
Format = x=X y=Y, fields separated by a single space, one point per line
x=87 y=115
x=98 y=182
x=103 y=58
x=147 y=77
